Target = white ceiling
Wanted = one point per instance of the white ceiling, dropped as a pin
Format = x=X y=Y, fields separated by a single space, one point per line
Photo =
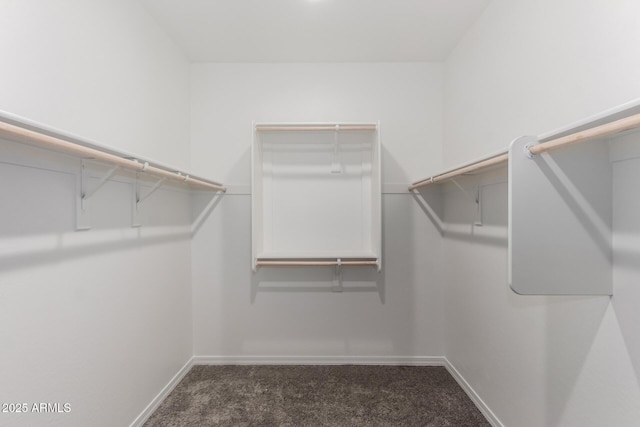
x=315 y=30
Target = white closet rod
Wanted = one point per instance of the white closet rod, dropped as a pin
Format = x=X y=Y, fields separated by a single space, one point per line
x=265 y=263
x=600 y=131
x=21 y=134
x=315 y=127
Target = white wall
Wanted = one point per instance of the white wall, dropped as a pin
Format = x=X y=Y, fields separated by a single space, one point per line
x=98 y=319
x=528 y=68
x=102 y=70
x=293 y=313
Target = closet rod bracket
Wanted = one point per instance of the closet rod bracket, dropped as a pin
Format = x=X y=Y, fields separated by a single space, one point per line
x=337 y=277
x=527 y=150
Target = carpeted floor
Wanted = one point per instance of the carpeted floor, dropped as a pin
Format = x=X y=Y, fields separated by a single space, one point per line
x=317 y=396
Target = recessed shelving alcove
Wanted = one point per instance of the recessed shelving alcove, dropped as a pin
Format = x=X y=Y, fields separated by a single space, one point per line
x=316 y=194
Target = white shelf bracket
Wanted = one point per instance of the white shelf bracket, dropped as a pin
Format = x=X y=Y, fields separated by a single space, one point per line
x=83 y=211
x=477 y=199
x=478 y=220
x=84 y=194
x=139 y=199
x=337 y=277
x=86 y=178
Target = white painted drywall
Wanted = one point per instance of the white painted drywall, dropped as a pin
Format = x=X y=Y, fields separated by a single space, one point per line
x=98 y=319
x=527 y=68
x=103 y=70
x=292 y=313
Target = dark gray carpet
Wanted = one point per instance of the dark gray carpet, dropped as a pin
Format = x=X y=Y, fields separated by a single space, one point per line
x=317 y=396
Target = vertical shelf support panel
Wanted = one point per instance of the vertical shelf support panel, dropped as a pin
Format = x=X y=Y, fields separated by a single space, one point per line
x=560 y=220
x=377 y=179
x=256 y=196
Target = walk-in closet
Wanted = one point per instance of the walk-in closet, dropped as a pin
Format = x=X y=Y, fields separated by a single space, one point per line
x=319 y=213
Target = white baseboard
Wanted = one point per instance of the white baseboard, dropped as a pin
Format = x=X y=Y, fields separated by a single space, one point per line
x=320 y=360
x=151 y=407
x=475 y=398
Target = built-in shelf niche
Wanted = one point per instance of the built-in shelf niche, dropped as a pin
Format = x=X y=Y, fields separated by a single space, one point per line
x=316 y=193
